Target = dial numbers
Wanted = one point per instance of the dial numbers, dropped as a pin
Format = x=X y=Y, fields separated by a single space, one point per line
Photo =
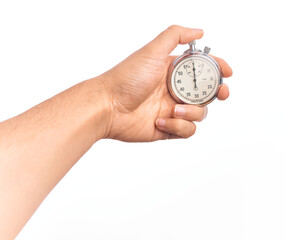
x=195 y=80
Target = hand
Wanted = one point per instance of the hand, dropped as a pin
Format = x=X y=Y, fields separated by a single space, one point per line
x=141 y=106
x=39 y=146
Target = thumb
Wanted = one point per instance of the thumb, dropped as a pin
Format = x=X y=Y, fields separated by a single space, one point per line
x=168 y=40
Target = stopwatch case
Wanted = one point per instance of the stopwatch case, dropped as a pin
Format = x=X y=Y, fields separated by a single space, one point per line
x=188 y=54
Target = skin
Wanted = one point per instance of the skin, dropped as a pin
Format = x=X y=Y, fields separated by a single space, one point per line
x=130 y=102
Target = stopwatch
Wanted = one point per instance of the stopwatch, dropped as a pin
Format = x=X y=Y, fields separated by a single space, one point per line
x=194 y=77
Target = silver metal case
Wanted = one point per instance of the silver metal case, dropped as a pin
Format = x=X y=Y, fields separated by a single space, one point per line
x=188 y=54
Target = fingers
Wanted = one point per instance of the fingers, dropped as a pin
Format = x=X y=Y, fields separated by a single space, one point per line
x=177 y=127
x=189 y=112
x=223 y=92
x=166 y=41
x=181 y=125
x=226 y=69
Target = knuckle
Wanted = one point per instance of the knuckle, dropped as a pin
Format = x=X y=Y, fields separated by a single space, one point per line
x=202 y=114
x=195 y=113
x=194 y=128
x=173 y=27
x=179 y=131
x=179 y=127
x=187 y=131
x=191 y=131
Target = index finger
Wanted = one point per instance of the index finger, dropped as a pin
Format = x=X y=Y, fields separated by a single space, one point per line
x=166 y=41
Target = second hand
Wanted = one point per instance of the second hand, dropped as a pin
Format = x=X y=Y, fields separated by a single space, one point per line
x=195 y=80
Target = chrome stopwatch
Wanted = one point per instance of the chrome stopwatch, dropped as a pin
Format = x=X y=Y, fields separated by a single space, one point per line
x=194 y=77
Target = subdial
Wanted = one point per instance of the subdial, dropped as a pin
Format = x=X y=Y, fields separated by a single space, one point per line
x=197 y=69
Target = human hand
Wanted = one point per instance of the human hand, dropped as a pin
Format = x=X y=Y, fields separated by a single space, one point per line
x=140 y=105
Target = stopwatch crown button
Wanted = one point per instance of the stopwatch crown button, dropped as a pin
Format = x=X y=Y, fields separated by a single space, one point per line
x=207 y=50
x=192 y=46
x=192 y=43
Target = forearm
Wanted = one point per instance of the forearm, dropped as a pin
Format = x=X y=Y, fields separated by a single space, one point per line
x=38 y=147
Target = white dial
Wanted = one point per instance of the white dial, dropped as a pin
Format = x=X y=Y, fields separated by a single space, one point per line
x=195 y=79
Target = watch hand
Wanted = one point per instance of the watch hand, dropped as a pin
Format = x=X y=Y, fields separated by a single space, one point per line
x=195 y=80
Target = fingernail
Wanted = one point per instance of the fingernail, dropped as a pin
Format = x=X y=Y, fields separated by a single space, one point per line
x=160 y=122
x=197 y=29
x=179 y=111
x=205 y=112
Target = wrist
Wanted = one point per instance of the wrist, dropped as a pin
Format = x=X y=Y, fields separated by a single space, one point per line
x=98 y=96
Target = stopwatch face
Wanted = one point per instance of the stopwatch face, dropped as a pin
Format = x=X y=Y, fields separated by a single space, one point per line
x=195 y=79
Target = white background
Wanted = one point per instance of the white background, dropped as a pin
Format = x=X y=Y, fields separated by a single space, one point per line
x=226 y=182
